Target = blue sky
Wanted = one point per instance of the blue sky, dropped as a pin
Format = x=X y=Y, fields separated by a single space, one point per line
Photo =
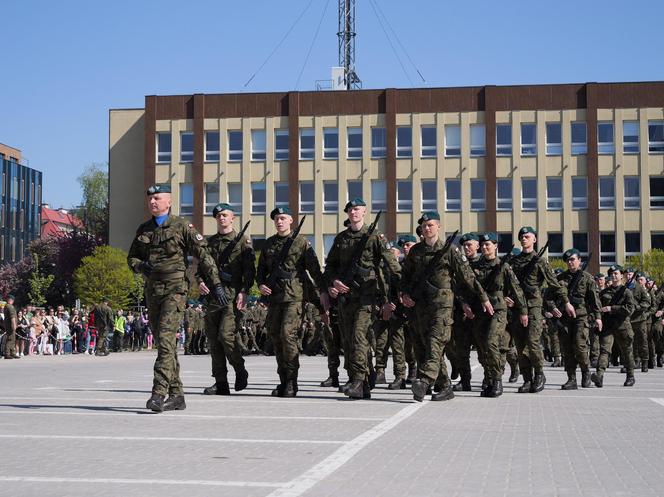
x=66 y=63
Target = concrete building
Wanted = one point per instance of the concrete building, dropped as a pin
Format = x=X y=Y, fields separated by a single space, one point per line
x=19 y=209
x=582 y=163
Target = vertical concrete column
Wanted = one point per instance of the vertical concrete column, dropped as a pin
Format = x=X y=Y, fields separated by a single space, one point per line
x=199 y=159
x=391 y=162
x=592 y=98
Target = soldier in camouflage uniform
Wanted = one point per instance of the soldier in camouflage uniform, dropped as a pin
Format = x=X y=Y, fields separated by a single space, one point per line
x=617 y=306
x=552 y=323
x=237 y=271
x=357 y=298
x=532 y=272
x=600 y=282
x=103 y=315
x=639 y=320
x=583 y=295
x=159 y=252
x=652 y=354
x=427 y=287
x=285 y=299
x=333 y=347
x=407 y=242
x=188 y=327
x=658 y=325
x=9 y=324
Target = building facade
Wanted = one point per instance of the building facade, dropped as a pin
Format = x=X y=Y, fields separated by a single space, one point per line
x=19 y=210
x=582 y=163
x=56 y=222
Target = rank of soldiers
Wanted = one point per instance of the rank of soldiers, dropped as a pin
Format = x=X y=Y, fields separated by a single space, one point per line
x=424 y=298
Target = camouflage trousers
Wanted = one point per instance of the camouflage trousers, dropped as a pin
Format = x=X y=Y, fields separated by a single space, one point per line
x=390 y=334
x=283 y=324
x=188 y=338
x=594 y=346
x=492 y=342
x=433 y=332
x=332 y=337
x=553 y=338
x=10 y=343
x=460 y=344
x=528 y=342
x=220 y=331
x=640 y=346
x=355 y=319
x=624 y=338
x=166 y=301
x=102 y=342
x=574 y=342
x=657 y=331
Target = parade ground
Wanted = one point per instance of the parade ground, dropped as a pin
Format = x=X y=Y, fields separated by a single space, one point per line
x=77 y=426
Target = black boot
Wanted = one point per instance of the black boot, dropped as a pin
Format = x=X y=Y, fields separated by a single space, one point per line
x=660 y=362
x=412 y=374
x=219 y=388
x=571 y=383
x=332 y=380
x=444 y=394
x=455 y=373
x=279 y=389
x=487 y=386
x=419 y=388
x=155 y=403
x=372 y=378
x=651 y=363
x=499 y=387
x=629 y=381
x=538 y=384
x=514 y=374
x=495 y=389
x=241 y=377
x=366 y=391
x=397 y=384
x=175 y=403
x=527 y=382
x=556 y=362
x=343 y=388
x=356 y=389
x=585 y=379
x=598 y=379
x=644 y=367
x=380 y=377
x=290 y=390
x=463 y=385
x=623 y=370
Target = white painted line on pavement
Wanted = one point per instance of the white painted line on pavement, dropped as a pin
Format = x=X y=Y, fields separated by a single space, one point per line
x=171 y=439
x=210 y=483
x=342 y=455
x=658 y=401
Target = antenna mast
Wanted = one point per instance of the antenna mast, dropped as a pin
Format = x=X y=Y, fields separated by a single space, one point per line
x=346 y=36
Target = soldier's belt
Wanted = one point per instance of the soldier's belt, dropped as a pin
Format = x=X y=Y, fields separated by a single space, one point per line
x=166 y=275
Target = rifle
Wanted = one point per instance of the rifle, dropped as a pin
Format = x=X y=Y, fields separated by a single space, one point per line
x=491 y=279
x=354 y=268
x=226 y=254
x=427 y=287
x=571 y=288
x=621 y=291
x=277 y=270
x=525 y=272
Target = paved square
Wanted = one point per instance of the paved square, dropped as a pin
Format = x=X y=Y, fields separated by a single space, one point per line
x=77 y=426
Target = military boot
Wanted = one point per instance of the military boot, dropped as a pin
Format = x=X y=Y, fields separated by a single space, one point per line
x=660 y=362
x=585 y=379
x=343 y=388
x=444 y=394
x=463 y=385
x=598 y=379
x=175 y=403
x=487 y=386
x=637 y=362
x=412 y=374
x=644 y=367
x=593 y=363
x=356 y=389
x=155 y=403
x=380 y=377
x=514 y=374
x=455 y=373
x=527 y=382
x=629 y=381
x=398 y=384
x=538 y=384
x=241 y=377
x=372 y=378
x=219 y=388
x=651 y=363
x=571 y=383
x=290 y=390
x=366 y=391
x=499 y=387
x=279 y=389
x=419 y=388
x=494 y=390
x=556 y=362
x=332 y=381
x=623 y=370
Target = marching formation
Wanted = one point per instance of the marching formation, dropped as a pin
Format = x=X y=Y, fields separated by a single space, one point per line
x=422 y=297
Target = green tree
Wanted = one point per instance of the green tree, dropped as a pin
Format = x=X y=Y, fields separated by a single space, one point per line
x=651 y=262
x=94 y=207
x=557 y=263
x=38 y=284
x=105 y=274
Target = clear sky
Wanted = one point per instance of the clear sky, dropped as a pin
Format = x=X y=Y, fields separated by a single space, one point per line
x=66 y=63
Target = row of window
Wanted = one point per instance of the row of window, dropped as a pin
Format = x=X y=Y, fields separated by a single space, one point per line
x=429 y=195
x=404 y=141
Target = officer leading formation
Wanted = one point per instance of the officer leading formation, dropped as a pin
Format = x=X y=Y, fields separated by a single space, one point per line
x=422 y=298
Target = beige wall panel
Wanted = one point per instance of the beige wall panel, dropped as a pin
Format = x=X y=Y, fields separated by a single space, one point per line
x=607 y=220
x=331 y=222
x=527 y=168
x=428 y=168
x=504 y=221
x=503 y=167
x=162 y=173
x=655 y=165
x=307 y=171
x=554 y=221
x=503 y=117
x=631 y=221
x=451 y=167
x=404 y=119
x=630 y=165
x=211 y=173
x=354 y=169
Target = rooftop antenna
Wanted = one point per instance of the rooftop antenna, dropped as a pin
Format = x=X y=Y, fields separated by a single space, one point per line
x=346 y=36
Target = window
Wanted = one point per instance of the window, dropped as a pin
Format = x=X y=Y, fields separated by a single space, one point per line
x=633 y=244
x=328 y=241
x=378 y=195
x=452 y=195
x=505 y=241
x=404 y=141
x=428 y=136
x=354 y=190
x=404 y=196
x=235 y=146
x=354 y=143
x=258 y=146
x=632 y=192
x=504 y=194
x=503 y=139
x=607 y=192
x=605 y=138
x=528 y=139
x=280 y=144
x=186 y=199
x=477 y=195
x=307 y=143
x=657 y=192
x=554 y=139
x=452 y=141
x=211 y=196
x=330 y=143
x=477 y=140
x=580 y=242
x=555 y=244
x=258 y=198
x=281 y=194
x=528 y=194
x=579 y=138
x=378 y=143
x=579 y=193
x=235 y=196
x=554 y=194
x=163 y=147
x=631 y=137
x=307 y=197
x=607 y=248
x=212 y=146
x=657 y=240
x=429 y=195
x=656 y=137
x=330 y=196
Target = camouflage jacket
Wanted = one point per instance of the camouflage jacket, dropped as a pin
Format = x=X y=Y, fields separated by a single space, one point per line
x=239 y=271
x=499 y=283
x=643 y=302
x=585 y=296
x=618 y=316
x=532 y=277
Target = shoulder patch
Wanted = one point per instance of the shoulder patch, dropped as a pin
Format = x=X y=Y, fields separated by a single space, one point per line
x=199 y=237
x=464 y=258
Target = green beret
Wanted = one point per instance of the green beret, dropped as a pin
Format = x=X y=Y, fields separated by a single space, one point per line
x=638 y=275
x=154 y=189
x=570 y=253
x=600 y=275
x=403 y=240
x=428 y=216
x=10 y=297
x=629 y=270
x=615 y=267
x=280 y=210
x=526 y=229
x=221 y=207
x=469 y=236
x=516 y=251
x=490 y=236
x=356 y=202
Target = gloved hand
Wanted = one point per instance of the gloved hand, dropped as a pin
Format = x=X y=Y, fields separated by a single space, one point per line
x=220 y=294
x=145 y=267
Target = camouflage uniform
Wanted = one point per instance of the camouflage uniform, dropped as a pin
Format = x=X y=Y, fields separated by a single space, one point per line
x=103 y=315
x=188 y=328
x=10 y=331
x=639 y=320
x=166 y=248
x=553 y=327
x=657 y=328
